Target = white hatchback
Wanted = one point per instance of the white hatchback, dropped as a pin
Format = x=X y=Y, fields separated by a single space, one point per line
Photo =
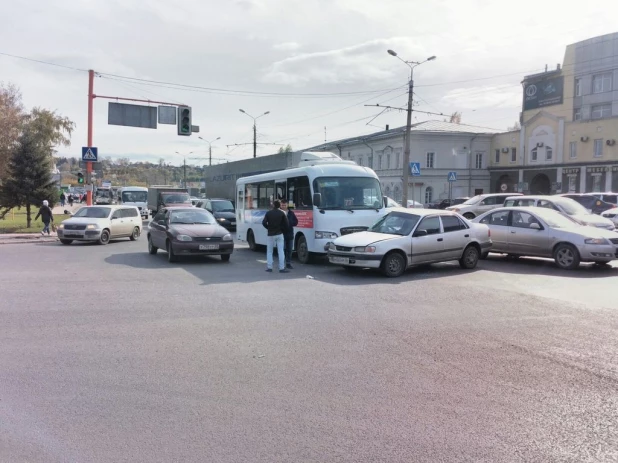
x=101 y=224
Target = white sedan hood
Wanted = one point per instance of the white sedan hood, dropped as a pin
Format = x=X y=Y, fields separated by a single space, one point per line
x=363 y=239
x=593 y=220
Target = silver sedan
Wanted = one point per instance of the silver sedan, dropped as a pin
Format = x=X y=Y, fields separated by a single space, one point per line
x=523 y=231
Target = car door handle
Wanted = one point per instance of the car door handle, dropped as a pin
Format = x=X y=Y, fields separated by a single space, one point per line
x=513 y=232
x=466 y=236
x=440 y=239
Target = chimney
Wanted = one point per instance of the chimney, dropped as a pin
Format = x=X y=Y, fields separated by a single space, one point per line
x=386 y=126
x=546 y=68
x=558 y=66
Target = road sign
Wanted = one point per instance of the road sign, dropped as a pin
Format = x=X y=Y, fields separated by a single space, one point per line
x=504 y=187
x=90 y=154
x=415 y=169
x=106 y=184
x=452 y=176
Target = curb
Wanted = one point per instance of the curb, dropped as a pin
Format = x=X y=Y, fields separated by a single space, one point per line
x=28 y=239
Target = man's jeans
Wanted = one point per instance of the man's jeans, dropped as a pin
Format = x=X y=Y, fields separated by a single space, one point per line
x=46 y=227
x=271 y=242
x=289 y=245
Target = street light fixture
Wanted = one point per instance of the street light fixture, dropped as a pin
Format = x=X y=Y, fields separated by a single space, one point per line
x=209 y=148
x=254 y=129
x=406 y=154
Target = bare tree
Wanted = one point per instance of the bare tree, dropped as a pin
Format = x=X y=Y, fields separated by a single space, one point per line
x=455 y=118
x=516 y=126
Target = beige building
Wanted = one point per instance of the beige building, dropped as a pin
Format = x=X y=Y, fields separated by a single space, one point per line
x=569 y=126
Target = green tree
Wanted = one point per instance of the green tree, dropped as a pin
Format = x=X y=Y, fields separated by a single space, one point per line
x=30 y=180
x=11 y=119
x=286 y=149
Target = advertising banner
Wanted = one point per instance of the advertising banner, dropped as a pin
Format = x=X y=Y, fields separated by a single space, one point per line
x=543 y=93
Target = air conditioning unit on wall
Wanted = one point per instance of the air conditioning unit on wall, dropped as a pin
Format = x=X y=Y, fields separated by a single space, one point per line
x=539 y=144
x=584 y=139
x=611 y=142
x=505 y=150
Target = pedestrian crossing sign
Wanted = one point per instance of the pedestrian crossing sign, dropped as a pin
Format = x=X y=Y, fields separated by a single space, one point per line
x=90 y=154
x=452 y=176
x=415 y=168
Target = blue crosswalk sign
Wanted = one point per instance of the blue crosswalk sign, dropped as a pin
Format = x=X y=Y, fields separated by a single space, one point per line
x=90 y=153
x=452 y=176
x=415 y=168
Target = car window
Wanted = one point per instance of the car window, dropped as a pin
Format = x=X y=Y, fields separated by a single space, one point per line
x=500 y=218
x=431 y=225
x=396 y=223
x=547 y=204
x=610 y=198
x=509 y=203
x=117 y=214
x=160 y=216
x=490 y=201
x=452 y=223
x=523 y=219
x=129 y=212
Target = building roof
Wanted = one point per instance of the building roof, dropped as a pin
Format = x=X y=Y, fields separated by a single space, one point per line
x=419 y=127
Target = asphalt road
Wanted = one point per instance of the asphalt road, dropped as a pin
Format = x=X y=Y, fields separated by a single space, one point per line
x=108 y=354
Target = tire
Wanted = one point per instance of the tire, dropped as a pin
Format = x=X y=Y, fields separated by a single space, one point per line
x=135 y=235
x=302 y=250
x=225 y=257
x=251 y=241
x=171 y=257
x=566 y=256
x=470 y=257
x=66 y=241
x=469 y=215
x=152 y=249
x=484 y=255
x=393 y=265
x=104 y=239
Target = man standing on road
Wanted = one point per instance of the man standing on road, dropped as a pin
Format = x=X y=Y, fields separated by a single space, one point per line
x=63 y=198
x=46 y=215
x=276 y=222
x=289 y=234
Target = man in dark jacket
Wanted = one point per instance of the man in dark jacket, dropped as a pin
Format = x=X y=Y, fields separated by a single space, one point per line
x=46 y=215
x=276 y=222
x=289 y=234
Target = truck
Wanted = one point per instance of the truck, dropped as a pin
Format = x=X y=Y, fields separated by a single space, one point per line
x=103 y=195
x=166 y=195
x=134 y=196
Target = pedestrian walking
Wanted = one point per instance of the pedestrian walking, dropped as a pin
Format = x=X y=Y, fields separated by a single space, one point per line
x=276 y=222
x=289 y=234
x=71 y=199
x=63 y=199
x=47 y=217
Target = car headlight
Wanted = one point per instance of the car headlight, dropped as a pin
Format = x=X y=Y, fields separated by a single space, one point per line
x=455 y=209
x=61 y=226
x=321 y=235
x=92 y=226
x=221 y=219
x=184 y=238
x=595 y=241
x=227 y=237
x=332 y=247
x=365 y=249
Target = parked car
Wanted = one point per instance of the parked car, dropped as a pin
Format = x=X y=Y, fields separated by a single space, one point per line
x=407 y=237
x=415 y=204
x=223 y=210
x=443 y=204
x=590 y=201
x=390 y=203
x=188 y=231
x=480 y=204
x=611 y=214
x=101 y=224
x=567 y=206
x=194 y=200
x=541 y=232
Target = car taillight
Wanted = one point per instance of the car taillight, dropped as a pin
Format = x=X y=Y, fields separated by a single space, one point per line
x=489 y=232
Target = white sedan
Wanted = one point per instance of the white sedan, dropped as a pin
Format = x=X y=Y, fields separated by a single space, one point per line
x=405 y=238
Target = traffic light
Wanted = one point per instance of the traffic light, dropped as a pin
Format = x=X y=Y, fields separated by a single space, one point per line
x=80 y=178
x=184 y=120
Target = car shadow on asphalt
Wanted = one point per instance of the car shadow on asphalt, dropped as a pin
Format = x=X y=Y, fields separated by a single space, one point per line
x=211 y=270
x=533 y=265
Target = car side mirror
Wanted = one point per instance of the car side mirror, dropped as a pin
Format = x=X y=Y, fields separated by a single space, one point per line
x=317 y=199
x=535 y=226
x=420 y=233
x=161 y=222
x=385 y=201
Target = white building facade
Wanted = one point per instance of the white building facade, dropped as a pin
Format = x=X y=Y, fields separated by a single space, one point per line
x=439 y=147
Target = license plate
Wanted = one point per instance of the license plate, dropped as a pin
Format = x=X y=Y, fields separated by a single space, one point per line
x=73 y=234
x=208 y=247
x=339 y=260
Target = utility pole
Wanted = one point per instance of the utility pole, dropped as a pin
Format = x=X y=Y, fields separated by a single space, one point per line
x=90 y=124
x=185 y=173
x=254 y=129
x=210 y=147
x=406 y=153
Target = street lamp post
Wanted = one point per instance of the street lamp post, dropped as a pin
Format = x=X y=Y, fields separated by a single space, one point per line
x=254 y=129
x=210 y=148
x=406 y=153
x=185 y=167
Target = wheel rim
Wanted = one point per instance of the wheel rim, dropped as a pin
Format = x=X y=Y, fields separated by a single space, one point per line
x=302 y=250
x=149 y=243
x=104 y=237
x=251 y=240
x=471 y=256
x=135 y=233
x=565 y=257
x=394 y=265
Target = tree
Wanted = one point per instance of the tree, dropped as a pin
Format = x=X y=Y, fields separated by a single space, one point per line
x=49 y=128
x=455 y=118
x=11 y=118
x=30 y=180
x=516 y=126
x=286 y=149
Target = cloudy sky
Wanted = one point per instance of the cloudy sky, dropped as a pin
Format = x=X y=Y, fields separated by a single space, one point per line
x=311 y=63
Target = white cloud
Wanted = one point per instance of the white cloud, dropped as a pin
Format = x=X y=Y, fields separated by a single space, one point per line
x=287 y=46
x=506 y=96
x=365 y=63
